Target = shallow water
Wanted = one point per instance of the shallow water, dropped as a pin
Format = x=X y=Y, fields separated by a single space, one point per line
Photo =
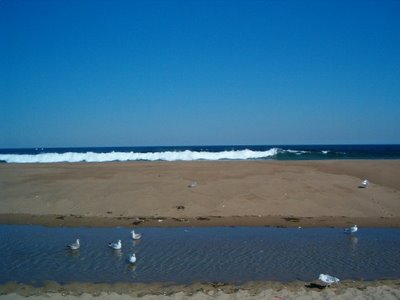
x=33 y=254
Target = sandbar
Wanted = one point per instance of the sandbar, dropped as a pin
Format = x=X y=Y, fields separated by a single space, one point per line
x=202 y=193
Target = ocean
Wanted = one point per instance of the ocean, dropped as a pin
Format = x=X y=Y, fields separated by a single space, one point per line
x=192 y=153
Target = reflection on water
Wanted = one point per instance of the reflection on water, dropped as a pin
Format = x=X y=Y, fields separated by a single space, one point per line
x=135 y=242
x=72 y=253
x=353 y=240
x=132 y=267
x=184 y=255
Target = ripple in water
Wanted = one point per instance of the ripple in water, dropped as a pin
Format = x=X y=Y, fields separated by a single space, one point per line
x=33 y=254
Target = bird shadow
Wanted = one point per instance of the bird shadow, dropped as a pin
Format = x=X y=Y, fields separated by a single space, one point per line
x=315 y=286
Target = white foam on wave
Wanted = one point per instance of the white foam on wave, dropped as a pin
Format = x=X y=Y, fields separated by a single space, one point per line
x=297 y=152
x=186 y=155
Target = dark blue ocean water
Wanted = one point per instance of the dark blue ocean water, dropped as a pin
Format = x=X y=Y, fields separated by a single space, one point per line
x=189 y=153
x=33 y=254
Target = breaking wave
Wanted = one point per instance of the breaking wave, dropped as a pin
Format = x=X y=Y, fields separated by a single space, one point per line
x=186 y=155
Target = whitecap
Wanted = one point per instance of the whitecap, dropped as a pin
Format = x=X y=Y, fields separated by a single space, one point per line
x=185 y=155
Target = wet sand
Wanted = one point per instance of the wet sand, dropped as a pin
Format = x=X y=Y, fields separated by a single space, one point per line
x=383 y=289
x=203 y=193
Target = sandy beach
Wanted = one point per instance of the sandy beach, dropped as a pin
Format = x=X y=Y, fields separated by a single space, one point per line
x=203 y=193
x=225 y=193
x=382 y=289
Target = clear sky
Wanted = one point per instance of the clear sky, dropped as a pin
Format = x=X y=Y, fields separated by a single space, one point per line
x=129 y=73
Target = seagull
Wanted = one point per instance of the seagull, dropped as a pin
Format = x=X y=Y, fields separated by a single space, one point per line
x=132 y=258
x=74 y=246
x=328 y=279
x=192 y=185
x=364 y=183
x=352 y=229
x=136 y=236
x=116 y=246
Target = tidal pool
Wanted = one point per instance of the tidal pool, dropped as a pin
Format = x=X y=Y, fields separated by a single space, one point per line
x=34 y=254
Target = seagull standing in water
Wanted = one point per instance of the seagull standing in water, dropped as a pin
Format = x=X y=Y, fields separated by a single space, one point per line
x=352 y=229
x=74 y=246
x=328 y=279
x=132 y=258
x=116 y=246
x=136 y=236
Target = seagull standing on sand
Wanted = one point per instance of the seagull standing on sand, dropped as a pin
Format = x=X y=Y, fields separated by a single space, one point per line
x=352 y=229
x=116 y=246
x=136 y=236
x=132 y=258
x=74 y=246
x=365 y=183
x=328 y=279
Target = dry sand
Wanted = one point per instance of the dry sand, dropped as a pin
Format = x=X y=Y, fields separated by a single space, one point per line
x=249 y=193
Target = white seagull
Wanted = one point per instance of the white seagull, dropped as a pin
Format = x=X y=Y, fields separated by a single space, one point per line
x=352 y=229
x=132 y=258
x=193 y=184
x=136 y=236
x=364 y=183
x=74 y=246
x=116 y=246
x=328 y=279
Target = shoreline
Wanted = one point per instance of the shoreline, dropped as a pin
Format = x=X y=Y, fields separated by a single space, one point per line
x=208 y=221
x=347 y=289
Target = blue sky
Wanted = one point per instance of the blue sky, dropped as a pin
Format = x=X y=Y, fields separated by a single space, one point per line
x=128 y=73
